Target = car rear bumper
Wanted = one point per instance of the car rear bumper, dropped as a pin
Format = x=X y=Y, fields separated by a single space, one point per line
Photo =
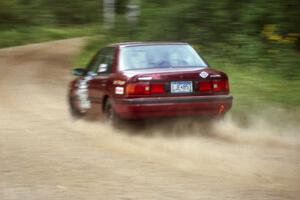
x=138 y=108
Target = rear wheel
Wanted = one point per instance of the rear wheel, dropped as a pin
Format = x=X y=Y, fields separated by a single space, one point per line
x=110 y=115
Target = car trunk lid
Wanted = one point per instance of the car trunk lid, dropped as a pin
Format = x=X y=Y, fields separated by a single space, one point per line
x=176 y=82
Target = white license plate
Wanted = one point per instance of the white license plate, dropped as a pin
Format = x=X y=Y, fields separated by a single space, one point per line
x=182 y=87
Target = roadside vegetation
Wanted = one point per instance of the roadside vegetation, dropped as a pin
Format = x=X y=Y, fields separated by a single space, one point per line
x=30 y=21
x=20 y=35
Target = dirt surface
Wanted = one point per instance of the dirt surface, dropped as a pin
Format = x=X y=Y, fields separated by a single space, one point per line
x=45 y=154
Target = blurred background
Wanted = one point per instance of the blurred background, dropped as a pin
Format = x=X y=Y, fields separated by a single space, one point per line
x=256 y=42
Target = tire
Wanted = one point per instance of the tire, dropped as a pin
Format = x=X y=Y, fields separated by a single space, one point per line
x=110 y=115
x=75 y=113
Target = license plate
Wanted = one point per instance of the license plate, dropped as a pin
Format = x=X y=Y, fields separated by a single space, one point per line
x=182 y=87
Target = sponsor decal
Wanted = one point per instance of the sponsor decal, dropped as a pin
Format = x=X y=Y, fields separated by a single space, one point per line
x=118 y=82
x=215 y=75
x=119 y=90
x=203 y=74
x=82 y=94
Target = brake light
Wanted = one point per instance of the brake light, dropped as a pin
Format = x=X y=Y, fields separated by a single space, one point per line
x=145 y=88
x=205 y=86
x=157 y=88
x=220 y=85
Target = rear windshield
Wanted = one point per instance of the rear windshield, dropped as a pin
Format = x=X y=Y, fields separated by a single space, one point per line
x=159 y=56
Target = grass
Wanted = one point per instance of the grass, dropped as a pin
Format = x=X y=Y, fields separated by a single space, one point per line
x=258 y=87
x=253 y=87
x=20 y=35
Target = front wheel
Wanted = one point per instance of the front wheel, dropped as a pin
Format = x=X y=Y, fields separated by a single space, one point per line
x=75 y=113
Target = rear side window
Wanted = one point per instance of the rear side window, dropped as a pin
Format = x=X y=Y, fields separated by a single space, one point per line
x=104 y=56
x=159 y=56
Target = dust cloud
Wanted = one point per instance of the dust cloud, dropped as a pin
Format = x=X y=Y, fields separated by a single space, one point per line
x=187 y=143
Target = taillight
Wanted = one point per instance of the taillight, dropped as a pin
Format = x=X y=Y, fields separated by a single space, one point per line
x=214 y=85
x=145 y=88
x=220 y=85
x=138 y=89
x=205 y=86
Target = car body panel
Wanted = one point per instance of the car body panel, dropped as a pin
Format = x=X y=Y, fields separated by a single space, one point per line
x=173 y=106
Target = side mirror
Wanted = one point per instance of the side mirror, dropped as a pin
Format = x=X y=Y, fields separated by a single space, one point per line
x=102 y=68
x=78 y=71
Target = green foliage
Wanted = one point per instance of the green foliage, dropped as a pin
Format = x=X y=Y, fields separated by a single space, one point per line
x=40 y=12
x=9 y=11
x=216 y=21
x=27 y=21
x=19 y=35
x=256 y=87
x=76 y=11
x=121 y=6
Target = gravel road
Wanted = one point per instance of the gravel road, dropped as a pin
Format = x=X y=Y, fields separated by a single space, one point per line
x=45 y=154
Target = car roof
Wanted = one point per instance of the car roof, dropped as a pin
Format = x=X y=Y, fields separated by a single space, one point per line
x=128 y=44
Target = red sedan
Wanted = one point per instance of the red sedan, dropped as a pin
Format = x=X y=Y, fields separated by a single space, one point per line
x=141 y=80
